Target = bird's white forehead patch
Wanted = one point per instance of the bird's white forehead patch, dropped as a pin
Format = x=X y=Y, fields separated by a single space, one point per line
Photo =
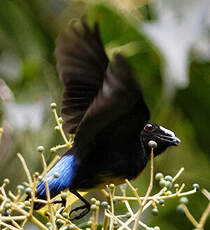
x=167 y=131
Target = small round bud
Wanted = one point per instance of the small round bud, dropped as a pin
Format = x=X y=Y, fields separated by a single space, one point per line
x=162 y=183
x=20 y=187
x=89 y=223
x=161 y=202
x=156 y=228
x=6 y=181
x=115 y=223
x=111 y=186
x=159 y=176
x=98 y=203
x=48 y=224
x=36 y=174
x=65 y=214
x=168 y=184
x=169 y=178
x=72 y=226
x=28 y=191
x=56 y=175
x=59 y=221
x=196 y=186
x=176 y=185
x=58 y=215
x=64 y=195
x=60 y=119
x=180 y=208
x=53 y=105
x=57 y=128
x=168 y=193
x=93 y=200
x=40 y=149
x=155 y=211
x=40 y=178
x=152 y=144
x=1 y=210
x=53 y=150
x=26 y=203
x=7 y=205
x=93 y=207
x=183 y=200
x=104 y=204
x=7 y=212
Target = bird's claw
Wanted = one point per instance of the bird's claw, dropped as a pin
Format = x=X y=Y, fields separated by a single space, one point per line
x=81 y=214
x=62 y=201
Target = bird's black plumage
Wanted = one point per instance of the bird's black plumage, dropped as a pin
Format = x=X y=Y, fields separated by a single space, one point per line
x=104 y=106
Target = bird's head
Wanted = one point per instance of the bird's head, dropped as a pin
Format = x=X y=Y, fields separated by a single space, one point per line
x=162 y=136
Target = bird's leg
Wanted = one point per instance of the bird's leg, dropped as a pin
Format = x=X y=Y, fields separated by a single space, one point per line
x=86 y=206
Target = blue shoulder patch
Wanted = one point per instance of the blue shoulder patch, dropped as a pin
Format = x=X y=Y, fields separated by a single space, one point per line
x=65 y=167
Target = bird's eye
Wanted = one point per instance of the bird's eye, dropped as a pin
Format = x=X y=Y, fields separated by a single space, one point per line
x=148 y=127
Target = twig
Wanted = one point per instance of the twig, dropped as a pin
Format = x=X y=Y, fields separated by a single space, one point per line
x=178 y=174
x=8 y=226
x=111 y=195
x=149 y=188
x=151 y=177
x=140 y=204
x=204 y=216
x=127 y=203
x=104 y=192
x=60 y=128
x=52 y=163
x=181 y=188
x=57 y=147
x=106 y=221
x=206 y=194
x=1 y=132
x=48 y=192
x=207 y=210
x=113 y=217
x=16 y=224
x=189 y=216
x=8 y=218
x=174 y=195
x=26 y=214
x=25 y=169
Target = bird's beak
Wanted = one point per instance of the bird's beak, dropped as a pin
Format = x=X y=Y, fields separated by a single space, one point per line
x=168 y=136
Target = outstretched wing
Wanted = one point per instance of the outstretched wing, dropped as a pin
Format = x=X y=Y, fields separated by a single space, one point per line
x=101 y=100
x=81 y=63
x=117 y=114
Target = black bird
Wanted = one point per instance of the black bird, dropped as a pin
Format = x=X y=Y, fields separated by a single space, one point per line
x=103 y=105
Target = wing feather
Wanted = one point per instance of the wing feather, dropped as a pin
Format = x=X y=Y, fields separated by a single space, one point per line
x=81 y=63
x=102 y=102
x=118 y=112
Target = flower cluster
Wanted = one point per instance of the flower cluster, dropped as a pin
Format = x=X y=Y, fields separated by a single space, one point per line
x=16 y=208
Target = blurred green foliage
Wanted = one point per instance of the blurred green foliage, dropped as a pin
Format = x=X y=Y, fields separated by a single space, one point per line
x=28 y=31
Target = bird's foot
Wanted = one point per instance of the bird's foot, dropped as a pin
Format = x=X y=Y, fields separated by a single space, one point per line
x=86 y=209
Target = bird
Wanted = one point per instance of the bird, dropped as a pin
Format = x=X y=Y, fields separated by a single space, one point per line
x=103 y=105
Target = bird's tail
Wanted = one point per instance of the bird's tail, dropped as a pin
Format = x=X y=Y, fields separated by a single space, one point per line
x=59 y=178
